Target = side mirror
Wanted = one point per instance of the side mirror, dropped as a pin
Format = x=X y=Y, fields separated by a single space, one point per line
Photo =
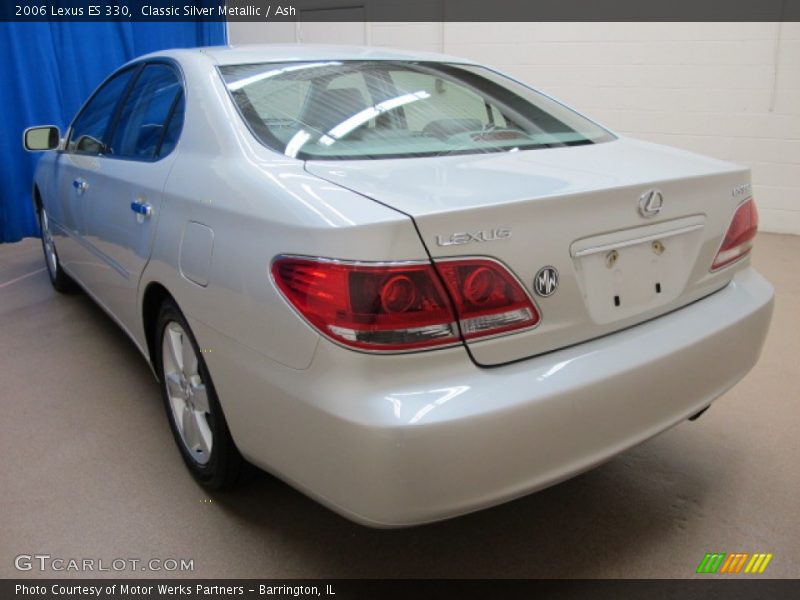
x=36 y=139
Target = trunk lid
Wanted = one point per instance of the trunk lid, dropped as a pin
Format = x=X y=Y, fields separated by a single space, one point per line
x=575 y=209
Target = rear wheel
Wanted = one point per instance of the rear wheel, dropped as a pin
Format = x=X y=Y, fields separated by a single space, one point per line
x=194 y=413
x=60 y=280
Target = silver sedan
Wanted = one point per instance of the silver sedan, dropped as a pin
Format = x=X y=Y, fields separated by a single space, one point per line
x=407 y=284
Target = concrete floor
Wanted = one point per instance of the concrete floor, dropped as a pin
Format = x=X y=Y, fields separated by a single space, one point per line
x=89 y=470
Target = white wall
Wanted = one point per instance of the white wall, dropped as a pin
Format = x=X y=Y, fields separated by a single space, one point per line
x=730 y=90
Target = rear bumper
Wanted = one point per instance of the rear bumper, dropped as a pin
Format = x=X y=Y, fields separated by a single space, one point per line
x=401 y=440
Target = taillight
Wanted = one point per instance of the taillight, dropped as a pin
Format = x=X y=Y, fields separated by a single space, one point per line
x=404 y=306
x=739 y=238
x=488 y=298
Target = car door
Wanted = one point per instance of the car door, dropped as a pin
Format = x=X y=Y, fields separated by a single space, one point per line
x=75 y=166
x=125 y=199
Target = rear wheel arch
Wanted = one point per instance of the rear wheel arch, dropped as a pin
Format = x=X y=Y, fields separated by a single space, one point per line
x=154 y=296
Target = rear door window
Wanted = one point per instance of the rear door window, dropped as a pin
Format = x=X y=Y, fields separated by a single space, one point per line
x=144 y=121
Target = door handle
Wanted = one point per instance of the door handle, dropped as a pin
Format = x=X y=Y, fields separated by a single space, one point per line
x=142 y=209
x=80 y=185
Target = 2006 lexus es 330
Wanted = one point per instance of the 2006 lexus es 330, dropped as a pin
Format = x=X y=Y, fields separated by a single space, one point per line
x=407 y=284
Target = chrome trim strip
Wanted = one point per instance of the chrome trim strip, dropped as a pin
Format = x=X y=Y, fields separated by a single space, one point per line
x=636 y=241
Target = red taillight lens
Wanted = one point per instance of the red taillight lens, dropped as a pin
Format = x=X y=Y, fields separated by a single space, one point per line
x=488 y=298
x=739 y=238
x=398 y=294
x=404 y=307
x=388 y=308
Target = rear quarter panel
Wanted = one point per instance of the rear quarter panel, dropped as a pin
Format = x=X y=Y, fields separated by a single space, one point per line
x=259 y=205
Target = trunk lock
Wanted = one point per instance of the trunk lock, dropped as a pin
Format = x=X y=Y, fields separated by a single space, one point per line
x=611 y=258
x=658 y=247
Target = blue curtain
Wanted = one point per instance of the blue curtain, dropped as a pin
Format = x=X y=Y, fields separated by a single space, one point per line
x=47 y=70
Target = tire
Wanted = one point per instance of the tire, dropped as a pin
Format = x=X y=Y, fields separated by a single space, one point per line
x=61 y=281
x=195 y=415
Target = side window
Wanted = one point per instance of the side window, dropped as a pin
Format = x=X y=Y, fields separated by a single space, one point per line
x=143 y=120
x=89 y=130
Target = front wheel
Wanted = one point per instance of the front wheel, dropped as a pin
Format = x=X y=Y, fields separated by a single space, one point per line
x=61 y=281
x=194 y=413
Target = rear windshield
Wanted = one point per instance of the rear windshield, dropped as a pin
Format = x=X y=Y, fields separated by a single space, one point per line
x=381 y=109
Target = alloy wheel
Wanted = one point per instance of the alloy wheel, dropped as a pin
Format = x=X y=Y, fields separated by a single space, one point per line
x=187 y=393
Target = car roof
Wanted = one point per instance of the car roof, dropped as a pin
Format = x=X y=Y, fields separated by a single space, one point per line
x=256 y=53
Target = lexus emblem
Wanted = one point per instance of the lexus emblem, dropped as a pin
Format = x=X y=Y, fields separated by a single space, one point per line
x=546 y=281
x=650 y=203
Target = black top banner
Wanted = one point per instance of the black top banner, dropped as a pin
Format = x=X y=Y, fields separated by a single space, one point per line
x=400 y=10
